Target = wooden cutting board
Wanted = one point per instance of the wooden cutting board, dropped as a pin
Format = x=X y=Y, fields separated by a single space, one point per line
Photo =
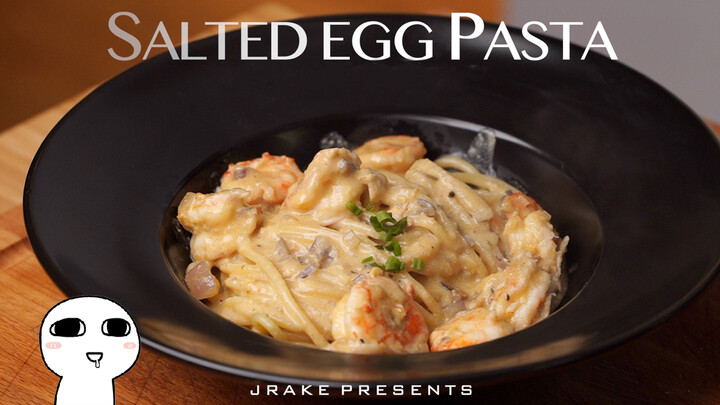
x=678 y=362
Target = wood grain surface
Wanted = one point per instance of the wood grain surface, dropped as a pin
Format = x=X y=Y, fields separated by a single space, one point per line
x=677 y=363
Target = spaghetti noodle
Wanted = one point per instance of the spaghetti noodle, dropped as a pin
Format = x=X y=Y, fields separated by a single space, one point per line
x=375 y=250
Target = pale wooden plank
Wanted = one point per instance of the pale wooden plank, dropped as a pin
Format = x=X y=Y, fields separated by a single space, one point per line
x=32 y=385
x=130 y=386
x=26 y=295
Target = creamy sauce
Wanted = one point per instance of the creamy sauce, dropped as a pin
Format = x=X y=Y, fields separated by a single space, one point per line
x=290 y=252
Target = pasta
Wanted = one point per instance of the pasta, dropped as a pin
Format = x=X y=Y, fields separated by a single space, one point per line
x=375 y=250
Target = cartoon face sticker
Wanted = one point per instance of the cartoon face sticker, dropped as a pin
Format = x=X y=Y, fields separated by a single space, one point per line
x=88 y=342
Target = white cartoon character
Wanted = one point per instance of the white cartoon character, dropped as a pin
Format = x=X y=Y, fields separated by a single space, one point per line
x=88 y=342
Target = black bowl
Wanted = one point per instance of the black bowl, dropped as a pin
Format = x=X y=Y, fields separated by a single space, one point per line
x=627 y=170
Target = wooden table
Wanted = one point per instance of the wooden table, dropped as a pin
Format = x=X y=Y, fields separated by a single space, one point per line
x=678 y=362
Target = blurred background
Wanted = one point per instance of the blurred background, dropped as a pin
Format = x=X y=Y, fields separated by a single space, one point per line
x=52 y=50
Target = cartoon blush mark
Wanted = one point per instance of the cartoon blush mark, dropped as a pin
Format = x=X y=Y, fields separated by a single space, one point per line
x=129 y=345
x=53 y=345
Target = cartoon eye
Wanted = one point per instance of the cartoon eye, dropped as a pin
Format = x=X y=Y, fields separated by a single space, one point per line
x=117 y=327
x=68 y=327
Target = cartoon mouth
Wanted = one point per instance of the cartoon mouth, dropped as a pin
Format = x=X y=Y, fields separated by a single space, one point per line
x=95 y=357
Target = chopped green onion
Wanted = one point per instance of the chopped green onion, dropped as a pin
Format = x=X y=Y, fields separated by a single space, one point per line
x=394 y=247
x=387 y=228
x=370 y=206
x=375 y=223
x=389 y=224
x=400 y=226
x=353 y=208
x=383 y=216
x=418 y=264
x=384 y=222
x=374 y=263
x=394 y=265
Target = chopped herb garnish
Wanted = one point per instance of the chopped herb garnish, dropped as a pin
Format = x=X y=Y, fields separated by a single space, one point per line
x=353 y=208
x=394 y=265
x=371 y=261
x=418 y=264
x=400 y=227
x=394 y=247
x=383 y=217
x=370 y=206
x=375 y=223
x=387 y=228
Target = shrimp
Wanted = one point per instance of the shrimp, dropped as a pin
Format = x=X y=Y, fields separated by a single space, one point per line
x=512 y=299
x=267 y=178
x=329 y=182
x=520 y=294
x=528 y=234
x=377 y=316
x=217 y=221
x=395 y=153
x=468 y=328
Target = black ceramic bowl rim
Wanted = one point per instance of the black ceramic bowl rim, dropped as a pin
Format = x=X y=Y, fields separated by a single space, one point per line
x=172 y=323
